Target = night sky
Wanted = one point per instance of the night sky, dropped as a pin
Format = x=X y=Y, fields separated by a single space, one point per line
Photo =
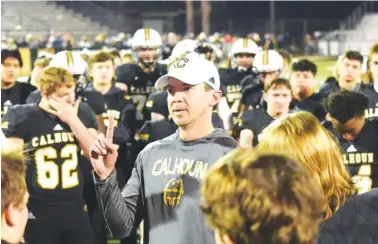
x=293 y=9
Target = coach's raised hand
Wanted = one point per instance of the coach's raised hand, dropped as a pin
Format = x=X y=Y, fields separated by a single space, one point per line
x=103 y=153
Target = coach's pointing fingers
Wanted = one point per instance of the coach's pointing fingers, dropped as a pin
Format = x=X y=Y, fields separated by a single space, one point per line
x=110 y=131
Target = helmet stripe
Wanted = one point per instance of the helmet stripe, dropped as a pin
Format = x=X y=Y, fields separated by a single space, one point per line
x=245 y=43
x=70 y=60
x=265 y=57
x=146 y=34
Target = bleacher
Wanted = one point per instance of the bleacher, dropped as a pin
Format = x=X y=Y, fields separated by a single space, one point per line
x=358 y=32
x=108 y=17
x=20 y=18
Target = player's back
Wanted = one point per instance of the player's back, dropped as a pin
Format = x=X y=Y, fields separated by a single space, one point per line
x=356 y=222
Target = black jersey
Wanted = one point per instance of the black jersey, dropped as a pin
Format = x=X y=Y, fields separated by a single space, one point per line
x=372 y=94
x=140 y=85
x=93 y=98
x=231 y=81
x=312 y=104
x=356 y=222
x=53 y=175
x=361 y=156
x=157 y=103
x=122 y=107
x=255 y=120
x=15 y=95
x=329 y=86
x=252 y=96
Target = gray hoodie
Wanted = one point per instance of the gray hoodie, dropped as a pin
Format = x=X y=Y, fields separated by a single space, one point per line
x=164 y=190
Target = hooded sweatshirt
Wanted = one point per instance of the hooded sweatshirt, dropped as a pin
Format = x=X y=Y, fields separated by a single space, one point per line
x=165 y=190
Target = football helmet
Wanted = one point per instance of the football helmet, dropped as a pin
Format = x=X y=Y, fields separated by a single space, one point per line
x=144 y=39
x=268 y=61
x=208 y=51
x=75 y=64
x=244 y=45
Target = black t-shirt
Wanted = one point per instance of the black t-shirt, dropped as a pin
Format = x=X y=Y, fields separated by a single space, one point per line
x=122 y=107
x=361 y=156
x=312 y=104
x=255 y=120
x=93 y=98
x=372 y=94
x=356 y=222
x=329 y=86
x=252 y=96
x=15 y=95
x=157 y=103
x=231 y=83
x=53 y=174
x=166 y=51
x=140 y=85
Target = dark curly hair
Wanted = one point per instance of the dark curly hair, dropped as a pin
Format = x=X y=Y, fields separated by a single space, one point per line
x=345 y=105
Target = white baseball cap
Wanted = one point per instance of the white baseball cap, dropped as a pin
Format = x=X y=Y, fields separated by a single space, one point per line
x=193 y=70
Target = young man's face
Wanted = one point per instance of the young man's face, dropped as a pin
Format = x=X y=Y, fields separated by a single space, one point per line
x=350 y=129
x=268 y=76
x=302 y=82
x=147 y=54
x=103 y=72
x=187 y=102
x=374 y=67
x=65 y=91
x=10 y=70
x=350 y=70
x=244 y=59
x=278 y=99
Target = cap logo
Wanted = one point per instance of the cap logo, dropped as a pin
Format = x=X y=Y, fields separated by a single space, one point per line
x=212 y=80
x=181 y=62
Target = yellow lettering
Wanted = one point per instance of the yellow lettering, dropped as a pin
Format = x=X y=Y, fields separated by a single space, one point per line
x=64 y=137
x=42 y=141
x=358 y=158
x=192 y=171
x=178 y=167
x=169 y=171
x=352 y=158
x=370 y=157
x=185 y=166
x=371 y=113
x=201 y=169
x=71 y=137
x=345 y=159
x=35 y=142
x=155 y=170
x=49 y=139
x=164 y=167
x=57 y=137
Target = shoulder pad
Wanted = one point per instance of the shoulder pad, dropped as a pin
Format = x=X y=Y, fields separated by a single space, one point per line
x=126 y=72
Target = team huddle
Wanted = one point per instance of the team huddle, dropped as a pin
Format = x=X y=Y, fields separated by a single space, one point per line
x=112 y=148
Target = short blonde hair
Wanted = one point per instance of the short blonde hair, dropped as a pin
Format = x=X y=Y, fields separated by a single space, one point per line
x=13 y=185
x=51 y=77
x=257 y=197
x=303 y=137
